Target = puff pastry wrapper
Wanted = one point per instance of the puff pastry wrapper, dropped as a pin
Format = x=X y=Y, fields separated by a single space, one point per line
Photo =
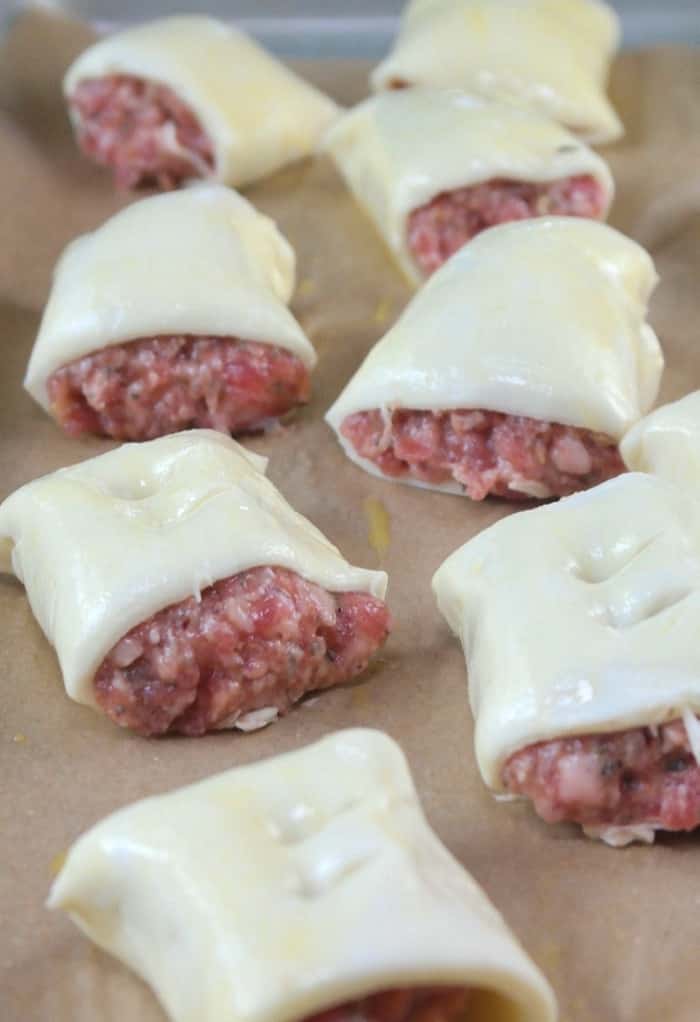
x=199 y=261
x=552 y=55
x=399 y=150
x=667 y=442
x=543 y=318
x=577 y=618
x=274 y=891
x=257 y=113
x=102 y=545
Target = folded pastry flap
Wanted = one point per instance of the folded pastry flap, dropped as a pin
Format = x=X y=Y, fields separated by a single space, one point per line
x=542 y=318
x=551 y=55
x=400 y=149
x=279 y=891
x=201 y=261
x=667 y=442
x=105 y=545
x=256 y=111
x=579 y=618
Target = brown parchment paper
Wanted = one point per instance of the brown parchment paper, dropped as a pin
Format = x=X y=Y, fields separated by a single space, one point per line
x=617 y=932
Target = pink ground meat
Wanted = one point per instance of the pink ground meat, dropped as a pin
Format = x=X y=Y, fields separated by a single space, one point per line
x=437 y=230
x=260 y=639
x=645 y=775
x=147 y=388
x=430 y=1004
x=487 y=453
x=140 y=129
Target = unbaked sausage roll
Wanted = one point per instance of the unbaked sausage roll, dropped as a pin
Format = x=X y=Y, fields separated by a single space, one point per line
x=170 y=315
x=515 y=370
x=306 y=887
x=190 y=97
x=551 y=55
x=434 y=167
x=180 y=590
x=667 y=442
x=580 y=624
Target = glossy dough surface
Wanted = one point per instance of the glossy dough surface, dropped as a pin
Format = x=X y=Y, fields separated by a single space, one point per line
x=273 y=891
x=258 y=114
x=400 y=149
x=201 y=261
x=543 y=318
x=667 y=442
x=102 y=545
x=577 y=618
x=552 y=55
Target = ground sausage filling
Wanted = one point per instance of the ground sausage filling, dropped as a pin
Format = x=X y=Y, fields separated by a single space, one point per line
x=437 y=230
x=487 y=453
x=140 y=129
x=257 y=641
x=430 y=1004
x=147 y=388
x=642 y=776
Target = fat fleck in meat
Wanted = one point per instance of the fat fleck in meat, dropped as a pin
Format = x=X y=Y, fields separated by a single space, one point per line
x=640 y=776
x=487 y=453
x=153 y=386
x=141 y=130
x=255 y=641
x=441 y=227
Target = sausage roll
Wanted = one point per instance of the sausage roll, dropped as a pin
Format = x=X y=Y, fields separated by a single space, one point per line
x=180 y=590
x=516 y=369
x=434 y=167
x=190 y=97
x=579 y=623
x=173 y=314
x=667 y=442
x=551 y=55
x=306 y=887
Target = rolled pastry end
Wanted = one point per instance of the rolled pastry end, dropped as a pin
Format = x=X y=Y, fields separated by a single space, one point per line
x=593 y=717
x=146 y=134
x=150 y=387
x=604 y=129
x=436 y=230
x=620 y=786
x=304 y=888
x=240 y=656
x=481 y=453
x=667 y=442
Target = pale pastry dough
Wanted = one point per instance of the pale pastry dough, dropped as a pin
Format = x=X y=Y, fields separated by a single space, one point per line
x=552 y=55
x=667 y=442
x=398 y=150
x=272 y=892
x=199 y=261
x=543 y=318
x=257 y=113
x=103 y=545
x=580 y=617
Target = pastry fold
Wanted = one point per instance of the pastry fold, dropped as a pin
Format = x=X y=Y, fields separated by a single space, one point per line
x=544 y=318
x=667 y=442
x=202 y=261
x=104 y=545
x=399 y=150
x=579 y=618
x=551 y=55
x=256 y=113
x=272 y=892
